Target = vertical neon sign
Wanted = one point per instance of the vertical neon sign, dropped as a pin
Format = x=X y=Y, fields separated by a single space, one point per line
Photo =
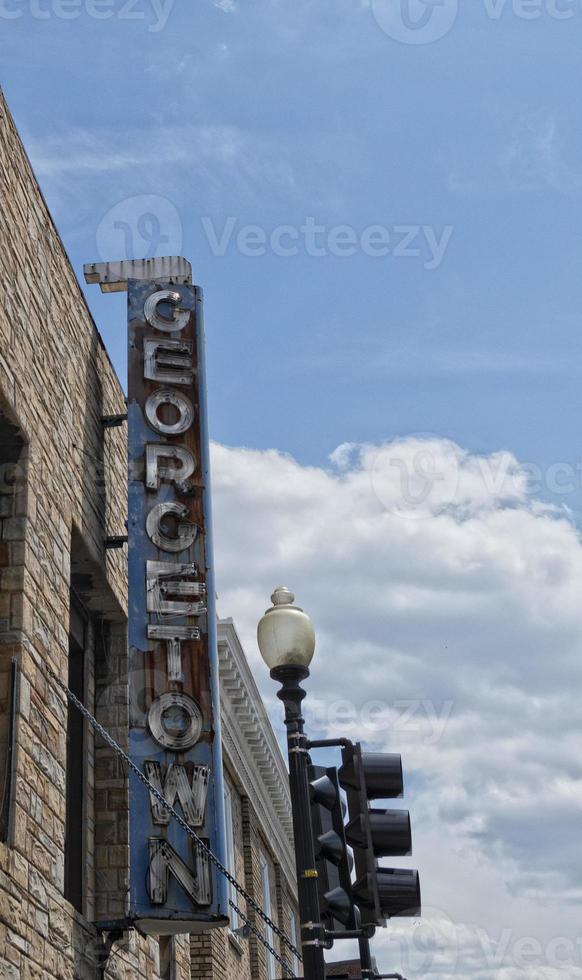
x=173 y=665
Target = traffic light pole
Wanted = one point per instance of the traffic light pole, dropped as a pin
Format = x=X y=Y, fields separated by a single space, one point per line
x=366 y=959
x=312 y=933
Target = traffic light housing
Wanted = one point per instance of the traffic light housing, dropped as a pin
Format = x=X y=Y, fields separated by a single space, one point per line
x=332 y=857
x=379 y=892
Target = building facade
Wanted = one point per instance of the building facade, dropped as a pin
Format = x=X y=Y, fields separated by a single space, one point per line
x=64 y=794
x=259 y=828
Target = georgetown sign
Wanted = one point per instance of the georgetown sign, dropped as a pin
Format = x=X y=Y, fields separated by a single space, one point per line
x=174 y=731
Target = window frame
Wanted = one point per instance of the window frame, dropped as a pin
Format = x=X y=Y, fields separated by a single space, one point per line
x=293 y=937
x=230 y=855
x=75 y=845
x=268 y=909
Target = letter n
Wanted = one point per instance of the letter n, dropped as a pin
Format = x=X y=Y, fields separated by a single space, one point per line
x=164 y=861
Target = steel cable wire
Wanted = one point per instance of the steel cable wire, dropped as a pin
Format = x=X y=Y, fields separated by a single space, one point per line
x=199 y=843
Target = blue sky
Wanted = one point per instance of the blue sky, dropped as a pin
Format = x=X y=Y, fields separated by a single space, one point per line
x=445 y=592
x=270 y=113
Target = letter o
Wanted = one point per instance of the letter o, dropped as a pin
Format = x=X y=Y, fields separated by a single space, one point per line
x=178 y=739
x=155 y=319
x=166 y=396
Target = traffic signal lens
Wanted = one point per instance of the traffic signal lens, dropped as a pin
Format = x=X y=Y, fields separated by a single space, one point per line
x=323 y=792
x=391 y=833
x=381 y=772
x=330 y=846
x=398 y=892
x=339 y=905
x=383 y=775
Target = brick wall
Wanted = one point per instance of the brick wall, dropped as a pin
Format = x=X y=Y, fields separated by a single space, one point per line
x=220 y=955
x=345 y=968
x=255 y=847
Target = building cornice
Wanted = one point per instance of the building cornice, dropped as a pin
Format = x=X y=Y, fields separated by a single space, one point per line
x=252 y=749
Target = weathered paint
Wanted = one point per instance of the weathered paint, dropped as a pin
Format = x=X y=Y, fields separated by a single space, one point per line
x=152 y=662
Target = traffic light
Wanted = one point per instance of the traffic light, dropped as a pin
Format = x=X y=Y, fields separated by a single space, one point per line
x=332 y=857
x=379 y=892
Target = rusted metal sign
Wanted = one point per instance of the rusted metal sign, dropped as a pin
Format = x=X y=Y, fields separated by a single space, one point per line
x=173 y=665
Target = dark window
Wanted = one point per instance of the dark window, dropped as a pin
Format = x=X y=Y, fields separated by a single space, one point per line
x=7 y=729
x=168 y=963
x=12 y=530
x=74 y=827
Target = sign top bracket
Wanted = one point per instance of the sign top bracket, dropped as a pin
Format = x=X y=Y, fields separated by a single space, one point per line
x=113 y=276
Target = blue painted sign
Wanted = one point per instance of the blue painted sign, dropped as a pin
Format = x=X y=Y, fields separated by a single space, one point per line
x=173 y=662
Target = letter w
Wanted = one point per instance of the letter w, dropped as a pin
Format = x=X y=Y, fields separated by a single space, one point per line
x=192 y=794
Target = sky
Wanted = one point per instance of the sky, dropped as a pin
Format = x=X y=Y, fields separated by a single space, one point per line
x=381 y=199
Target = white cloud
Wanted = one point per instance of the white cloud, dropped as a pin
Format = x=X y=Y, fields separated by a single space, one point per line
x=446 y=600
x=215 y=163
x=89 y=151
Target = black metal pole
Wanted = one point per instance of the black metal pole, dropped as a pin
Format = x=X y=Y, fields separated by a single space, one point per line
x=366 y=959
x=292 y=694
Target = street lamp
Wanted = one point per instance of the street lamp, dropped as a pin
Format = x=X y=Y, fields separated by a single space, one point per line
x=287 y=643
